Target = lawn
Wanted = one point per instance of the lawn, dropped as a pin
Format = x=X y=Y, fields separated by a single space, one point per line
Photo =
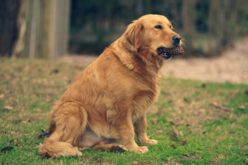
x=194 y=122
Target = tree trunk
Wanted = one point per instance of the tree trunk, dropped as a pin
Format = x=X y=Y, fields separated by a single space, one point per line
x=8 y=26
x=43 y=28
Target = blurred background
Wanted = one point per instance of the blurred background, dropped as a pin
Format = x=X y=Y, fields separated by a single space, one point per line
x=77 y=26
x=207 y=25
x=54 y=28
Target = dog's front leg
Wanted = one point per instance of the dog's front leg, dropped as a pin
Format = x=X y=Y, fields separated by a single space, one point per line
x=140 y=129
x=124 y=126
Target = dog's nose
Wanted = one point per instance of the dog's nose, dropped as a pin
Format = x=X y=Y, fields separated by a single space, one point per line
x=176 y=40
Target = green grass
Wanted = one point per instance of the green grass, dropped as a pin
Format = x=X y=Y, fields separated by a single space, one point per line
x=195 y=122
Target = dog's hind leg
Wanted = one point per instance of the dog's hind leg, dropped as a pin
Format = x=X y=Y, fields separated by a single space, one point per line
x=70 y=122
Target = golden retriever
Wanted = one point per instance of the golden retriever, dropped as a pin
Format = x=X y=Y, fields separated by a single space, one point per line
x=108 y=102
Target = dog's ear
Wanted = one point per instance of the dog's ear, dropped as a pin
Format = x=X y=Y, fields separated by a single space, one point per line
x=134 y=33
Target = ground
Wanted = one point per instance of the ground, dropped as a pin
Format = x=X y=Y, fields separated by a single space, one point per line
x=196 y=122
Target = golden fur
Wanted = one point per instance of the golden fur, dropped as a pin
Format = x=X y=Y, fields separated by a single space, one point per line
x=107 y=103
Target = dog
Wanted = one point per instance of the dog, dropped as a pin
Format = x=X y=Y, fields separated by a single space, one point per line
x=107 y=104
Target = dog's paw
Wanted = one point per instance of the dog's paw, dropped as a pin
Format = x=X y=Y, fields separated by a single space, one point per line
x=150 y=142
x=141 y=149
x=76 y=152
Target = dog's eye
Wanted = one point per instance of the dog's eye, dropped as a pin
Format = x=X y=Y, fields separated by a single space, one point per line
x=158 y=27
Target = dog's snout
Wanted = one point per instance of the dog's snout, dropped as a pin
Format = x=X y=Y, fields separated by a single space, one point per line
x=176 y=40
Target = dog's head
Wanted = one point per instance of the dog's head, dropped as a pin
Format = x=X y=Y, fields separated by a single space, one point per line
x=154 y=34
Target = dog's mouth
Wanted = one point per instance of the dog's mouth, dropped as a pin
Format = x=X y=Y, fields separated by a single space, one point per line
x=169 y=52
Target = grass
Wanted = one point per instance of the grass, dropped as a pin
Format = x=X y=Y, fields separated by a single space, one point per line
x=195 y=122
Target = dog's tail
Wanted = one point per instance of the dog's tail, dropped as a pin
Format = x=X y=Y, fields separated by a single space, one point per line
x=52 y=148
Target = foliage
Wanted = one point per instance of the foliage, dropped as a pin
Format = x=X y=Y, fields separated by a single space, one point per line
x=207 y=26
x=196 y=122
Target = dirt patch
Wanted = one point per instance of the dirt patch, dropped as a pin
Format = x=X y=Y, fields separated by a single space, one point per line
x=231 y=66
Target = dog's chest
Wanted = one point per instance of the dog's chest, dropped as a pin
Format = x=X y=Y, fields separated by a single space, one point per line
x=142 y=101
